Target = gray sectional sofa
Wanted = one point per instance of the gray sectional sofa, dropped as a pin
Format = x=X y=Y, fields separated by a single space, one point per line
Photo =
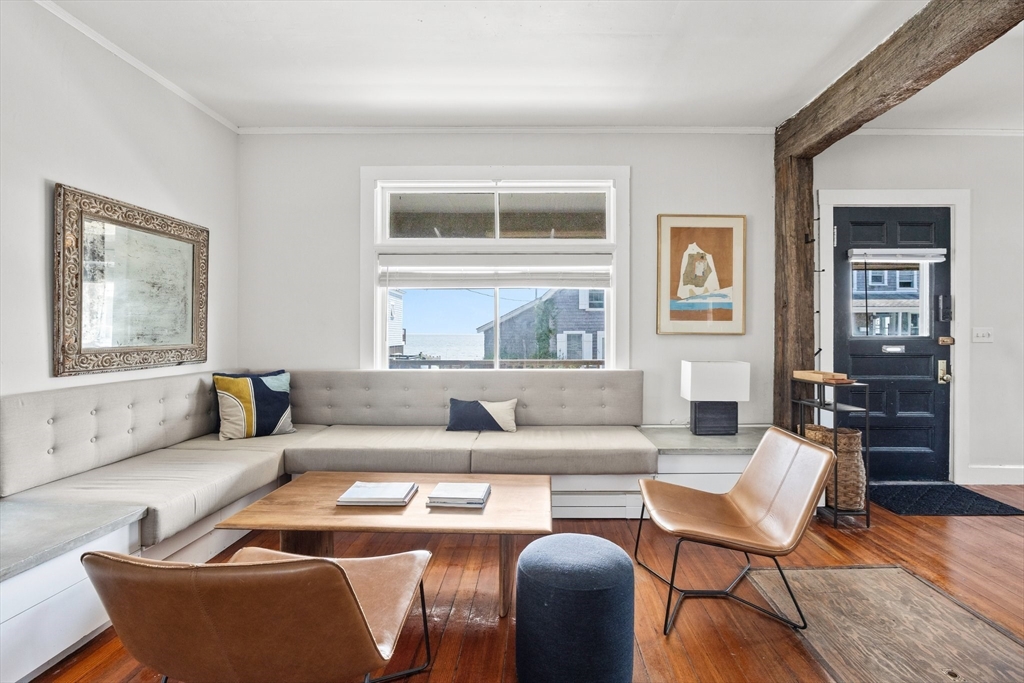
x=152 y=442
x=137 y=467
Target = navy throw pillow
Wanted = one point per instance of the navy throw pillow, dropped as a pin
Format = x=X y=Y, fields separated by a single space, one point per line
x=482 y=416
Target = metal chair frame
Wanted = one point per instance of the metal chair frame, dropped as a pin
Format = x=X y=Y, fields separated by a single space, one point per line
x=426 y=639
x=670 y=610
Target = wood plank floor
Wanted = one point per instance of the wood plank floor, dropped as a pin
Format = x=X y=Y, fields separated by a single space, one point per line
x=977 y=560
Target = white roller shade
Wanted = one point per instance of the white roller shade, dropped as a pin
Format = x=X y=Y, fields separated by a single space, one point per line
x=495 y=270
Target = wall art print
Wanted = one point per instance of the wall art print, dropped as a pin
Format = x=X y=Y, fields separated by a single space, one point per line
x=701 y=274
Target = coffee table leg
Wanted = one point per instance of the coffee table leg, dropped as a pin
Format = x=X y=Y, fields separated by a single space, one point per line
x=312 y=543
x=506 y=572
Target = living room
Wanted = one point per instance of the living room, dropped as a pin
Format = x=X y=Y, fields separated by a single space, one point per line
x=216 y=115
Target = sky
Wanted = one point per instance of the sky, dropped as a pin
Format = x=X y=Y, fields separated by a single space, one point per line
x=458 y=311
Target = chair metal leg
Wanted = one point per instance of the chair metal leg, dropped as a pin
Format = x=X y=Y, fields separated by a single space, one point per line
x=426 y=639
x=163 y=680
x=670 y=611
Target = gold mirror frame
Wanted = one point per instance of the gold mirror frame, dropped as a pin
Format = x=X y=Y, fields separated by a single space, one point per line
x=71 y=205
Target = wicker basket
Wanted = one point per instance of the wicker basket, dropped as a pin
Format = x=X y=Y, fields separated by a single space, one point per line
x=850 y=464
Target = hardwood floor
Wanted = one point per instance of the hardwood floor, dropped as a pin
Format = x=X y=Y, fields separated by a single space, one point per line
x=977 y=560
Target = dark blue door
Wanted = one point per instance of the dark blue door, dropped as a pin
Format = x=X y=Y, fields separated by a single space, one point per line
x=890 y=313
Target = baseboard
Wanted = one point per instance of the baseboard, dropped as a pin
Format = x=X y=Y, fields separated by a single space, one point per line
x=981 y=475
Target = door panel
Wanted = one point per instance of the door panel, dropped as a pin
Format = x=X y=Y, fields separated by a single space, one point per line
x=887 y=325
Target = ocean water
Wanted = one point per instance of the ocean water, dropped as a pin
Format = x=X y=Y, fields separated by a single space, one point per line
x=446 y=346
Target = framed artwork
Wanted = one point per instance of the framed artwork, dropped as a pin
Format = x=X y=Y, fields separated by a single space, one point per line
x=701 y=274
x=129 y=287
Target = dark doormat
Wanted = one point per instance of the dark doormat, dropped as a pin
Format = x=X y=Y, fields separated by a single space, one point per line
x=937 y=499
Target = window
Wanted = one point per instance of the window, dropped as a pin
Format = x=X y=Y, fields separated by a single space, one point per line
x=519 y=272
x=887 y=311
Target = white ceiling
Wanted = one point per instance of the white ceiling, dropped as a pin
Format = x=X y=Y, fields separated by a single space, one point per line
x=715 y=64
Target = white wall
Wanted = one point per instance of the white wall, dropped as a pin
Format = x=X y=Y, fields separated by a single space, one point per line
x=74 y=113
x=299 y=259
x=992 y=168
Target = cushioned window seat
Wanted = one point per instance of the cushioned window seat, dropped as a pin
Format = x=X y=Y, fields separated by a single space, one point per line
x=274 y=444
x=178 y=486
x=592 y=449
x=378 y=448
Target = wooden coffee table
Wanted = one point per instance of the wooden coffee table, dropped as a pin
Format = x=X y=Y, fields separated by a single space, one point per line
x=305 y=513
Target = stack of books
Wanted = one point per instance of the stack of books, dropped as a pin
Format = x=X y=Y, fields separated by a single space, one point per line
x=446 y=495
x=379 y=493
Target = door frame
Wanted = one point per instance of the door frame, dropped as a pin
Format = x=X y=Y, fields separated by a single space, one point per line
x=959 y=203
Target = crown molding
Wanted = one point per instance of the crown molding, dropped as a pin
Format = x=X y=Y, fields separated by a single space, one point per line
x=502 y=130
x=106 y=44
x=966 y=132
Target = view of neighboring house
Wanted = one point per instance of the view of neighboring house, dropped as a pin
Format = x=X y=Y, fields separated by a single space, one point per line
x=396 y=326
x=561 y=324
x=893 y=302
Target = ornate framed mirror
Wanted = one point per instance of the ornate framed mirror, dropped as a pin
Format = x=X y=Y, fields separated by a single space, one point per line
x=130 y=286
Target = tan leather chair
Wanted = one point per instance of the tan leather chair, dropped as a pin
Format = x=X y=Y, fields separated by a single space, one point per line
x=766 y=513
x=264 y=616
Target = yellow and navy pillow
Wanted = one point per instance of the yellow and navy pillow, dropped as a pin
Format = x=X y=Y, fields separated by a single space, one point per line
x=482 y=416
x=254 y=405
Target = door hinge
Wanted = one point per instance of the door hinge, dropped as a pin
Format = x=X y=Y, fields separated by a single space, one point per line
x=835 y=234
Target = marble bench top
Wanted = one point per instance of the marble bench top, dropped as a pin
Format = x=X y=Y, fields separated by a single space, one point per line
x=32 y=533
x=673 y=440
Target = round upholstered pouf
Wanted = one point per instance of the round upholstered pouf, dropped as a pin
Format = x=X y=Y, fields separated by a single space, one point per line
x=574 y=611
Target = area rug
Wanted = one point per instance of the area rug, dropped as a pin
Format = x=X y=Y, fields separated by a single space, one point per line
x=937 y=499
x=885 y=624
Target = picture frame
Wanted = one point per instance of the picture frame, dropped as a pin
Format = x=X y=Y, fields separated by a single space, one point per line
x=701 y=274
x=130 y=286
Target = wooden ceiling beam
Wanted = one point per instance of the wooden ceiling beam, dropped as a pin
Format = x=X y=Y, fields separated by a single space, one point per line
x=935 y=40
x=939 y=37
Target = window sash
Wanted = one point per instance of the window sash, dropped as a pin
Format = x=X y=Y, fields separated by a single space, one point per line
x=496 y=188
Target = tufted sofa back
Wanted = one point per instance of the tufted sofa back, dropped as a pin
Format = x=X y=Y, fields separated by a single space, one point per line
x=420 y=397
x=49 y=435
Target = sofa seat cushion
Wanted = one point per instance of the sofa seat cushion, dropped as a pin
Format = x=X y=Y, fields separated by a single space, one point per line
x=274 y=444
x=565 y=450
x=373 y=448
x=179 y=487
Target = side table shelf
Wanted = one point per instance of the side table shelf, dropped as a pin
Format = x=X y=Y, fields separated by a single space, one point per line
x=819 y=403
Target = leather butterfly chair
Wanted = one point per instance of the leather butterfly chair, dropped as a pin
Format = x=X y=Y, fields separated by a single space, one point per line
x=766 y=513
x=264 y=616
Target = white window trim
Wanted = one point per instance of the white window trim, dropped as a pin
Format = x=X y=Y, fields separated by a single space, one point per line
x=373 y=242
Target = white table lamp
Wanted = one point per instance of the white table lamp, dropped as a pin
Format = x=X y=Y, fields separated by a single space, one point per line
x=713 y=389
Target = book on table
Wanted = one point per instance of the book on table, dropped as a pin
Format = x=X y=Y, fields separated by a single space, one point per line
x=459 y=495
x=379 y=493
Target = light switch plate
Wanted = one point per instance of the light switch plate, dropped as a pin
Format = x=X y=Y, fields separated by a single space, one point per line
x=982 y=335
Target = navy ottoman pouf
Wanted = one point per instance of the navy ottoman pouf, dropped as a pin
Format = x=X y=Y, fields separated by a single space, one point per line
x=574 y=611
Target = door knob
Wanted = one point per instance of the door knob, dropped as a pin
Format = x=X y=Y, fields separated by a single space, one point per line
x=944 y=376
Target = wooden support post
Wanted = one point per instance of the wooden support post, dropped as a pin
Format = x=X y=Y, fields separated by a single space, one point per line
x=939 y=37
x=794 y=277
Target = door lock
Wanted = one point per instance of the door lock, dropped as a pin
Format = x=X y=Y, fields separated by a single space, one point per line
x=944 y=376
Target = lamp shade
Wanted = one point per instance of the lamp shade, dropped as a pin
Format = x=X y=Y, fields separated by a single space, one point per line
x=718 y=380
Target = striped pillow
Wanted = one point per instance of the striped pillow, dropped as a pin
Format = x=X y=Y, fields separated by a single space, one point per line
x=254 y=405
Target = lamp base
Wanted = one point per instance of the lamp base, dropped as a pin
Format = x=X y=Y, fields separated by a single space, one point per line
x=714 y=418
